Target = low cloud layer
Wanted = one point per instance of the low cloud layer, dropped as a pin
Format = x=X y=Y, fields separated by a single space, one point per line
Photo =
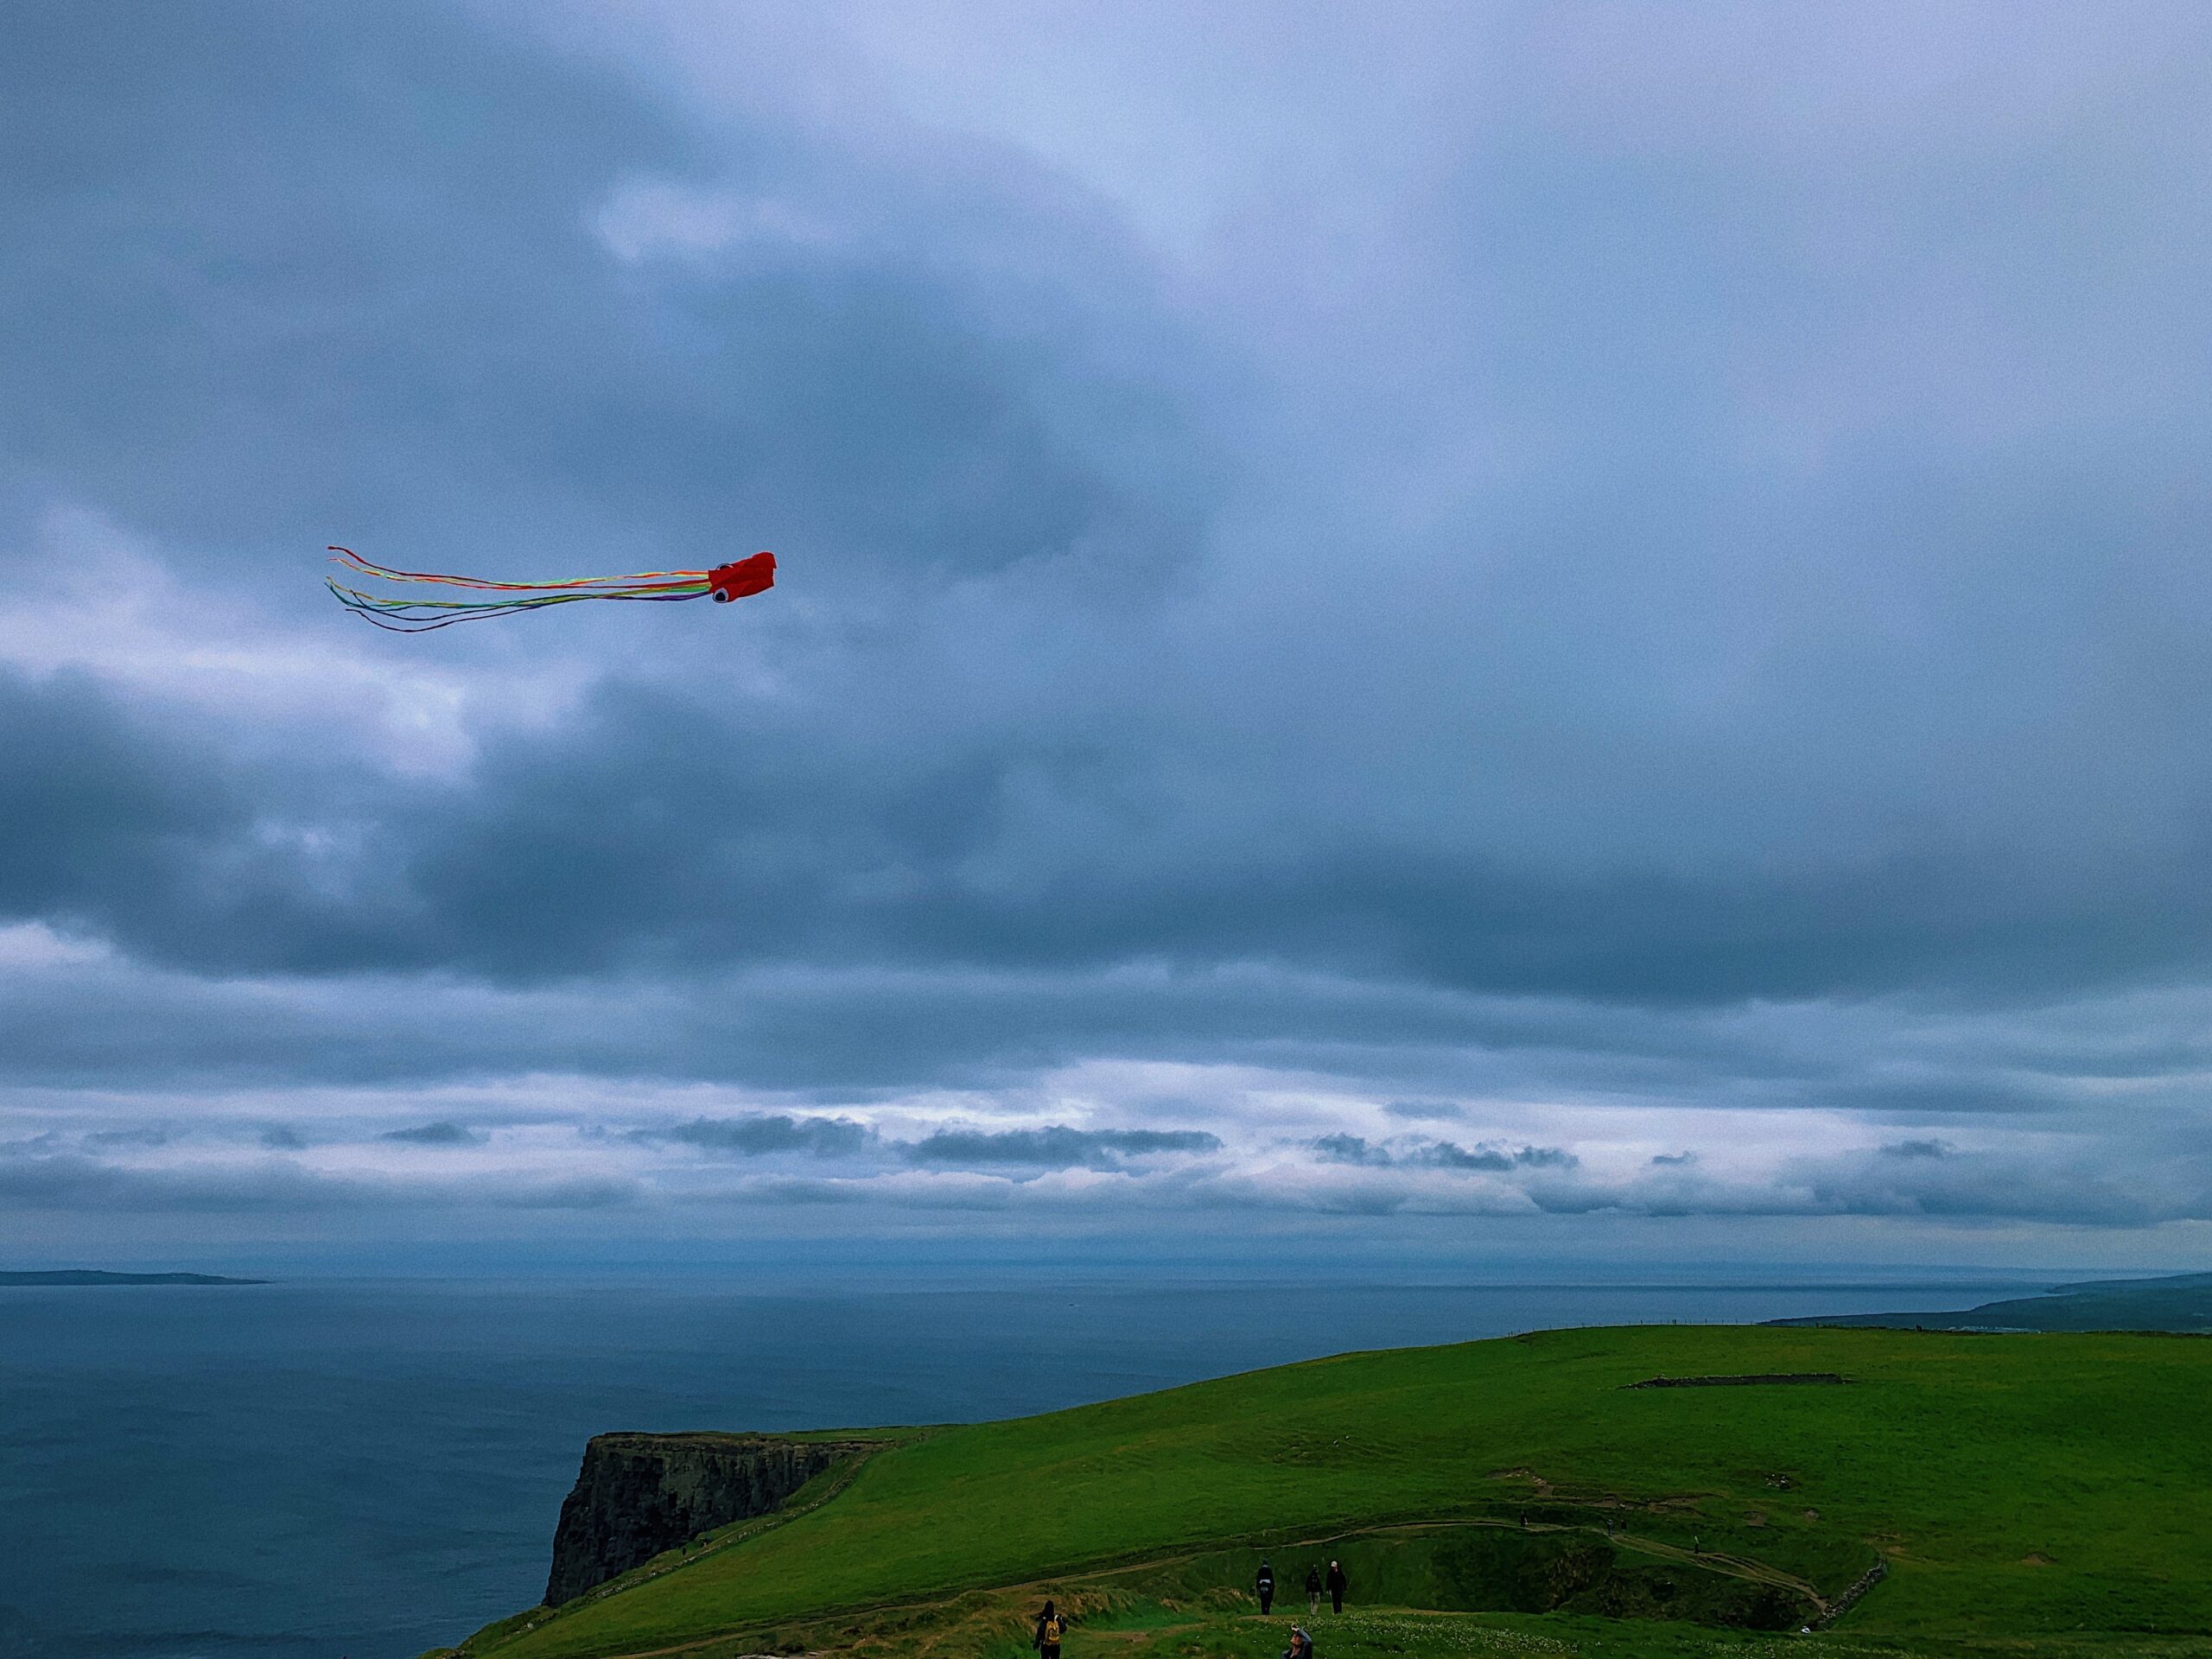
x=767 y=1133
x=746 y=1169
x=1490 y=620
x=1439 y=1155
x=1055 y=1146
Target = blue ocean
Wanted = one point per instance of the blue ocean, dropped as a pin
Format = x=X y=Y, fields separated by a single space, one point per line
x=362 y=1469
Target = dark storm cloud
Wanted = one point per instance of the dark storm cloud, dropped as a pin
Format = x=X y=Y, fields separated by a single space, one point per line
x=441 y=1133
x=1055 y=1147
x=95 y=807
x=382 y=296
x=1924 y=1178
x=1349 y=1149
x=549 y=860
x=881 y=1028
x=1445 y=1155
x=117 y=822
x=66 y=1183
x=279 y=268
x=224 y=376
x=767 y=1133
x=1690 y=588
x=548 y=364
x=376 y=293
x=807 y=1031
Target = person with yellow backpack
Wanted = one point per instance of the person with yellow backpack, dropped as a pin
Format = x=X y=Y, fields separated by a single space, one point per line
x=1052 y=1625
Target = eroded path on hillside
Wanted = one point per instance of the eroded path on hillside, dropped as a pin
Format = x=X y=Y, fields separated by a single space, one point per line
x=947 y=1624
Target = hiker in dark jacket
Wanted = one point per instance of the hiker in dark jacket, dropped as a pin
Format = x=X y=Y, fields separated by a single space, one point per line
x=1265 y=1584
x=1312 y=1589
x=1302 y=1645
x=1337 y=1587
x=1051 y=1626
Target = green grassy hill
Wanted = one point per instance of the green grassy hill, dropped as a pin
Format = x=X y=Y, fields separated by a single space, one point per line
x=2033 y=1494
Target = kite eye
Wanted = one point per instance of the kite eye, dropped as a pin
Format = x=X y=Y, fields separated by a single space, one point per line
x=722 y=595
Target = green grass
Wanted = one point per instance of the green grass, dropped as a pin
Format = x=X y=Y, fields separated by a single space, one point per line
x=1385 y=1634
x=2048 y=1488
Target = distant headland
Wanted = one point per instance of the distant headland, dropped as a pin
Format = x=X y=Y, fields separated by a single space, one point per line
x=92 y=1276
x=2180 y=1304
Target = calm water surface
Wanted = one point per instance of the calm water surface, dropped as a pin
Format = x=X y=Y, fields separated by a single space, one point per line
x=320 y=1469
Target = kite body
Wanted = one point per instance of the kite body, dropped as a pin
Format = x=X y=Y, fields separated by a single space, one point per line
x=744 y=579
x=722 y=584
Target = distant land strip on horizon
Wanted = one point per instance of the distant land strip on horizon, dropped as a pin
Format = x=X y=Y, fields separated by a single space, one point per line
x=2180 y=1304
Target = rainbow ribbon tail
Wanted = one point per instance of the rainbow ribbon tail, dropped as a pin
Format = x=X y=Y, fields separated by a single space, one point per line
x=400 y=614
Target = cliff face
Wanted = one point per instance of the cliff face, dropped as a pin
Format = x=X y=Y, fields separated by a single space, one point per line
x=637 y=1494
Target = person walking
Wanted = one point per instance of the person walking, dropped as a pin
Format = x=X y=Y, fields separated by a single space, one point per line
x=1265 y=1584
x=1337 y=1587
x=1051 y=1627
x=1312 y=1589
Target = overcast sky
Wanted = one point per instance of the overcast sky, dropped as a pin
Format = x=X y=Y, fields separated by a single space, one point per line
x=1508 y=634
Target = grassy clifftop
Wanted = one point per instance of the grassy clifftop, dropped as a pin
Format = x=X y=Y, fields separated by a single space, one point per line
x=2046 y=1488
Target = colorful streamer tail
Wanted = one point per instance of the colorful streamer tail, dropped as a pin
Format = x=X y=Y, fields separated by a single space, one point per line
x=404 y=616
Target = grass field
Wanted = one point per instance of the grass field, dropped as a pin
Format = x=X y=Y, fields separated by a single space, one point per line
x=2032 y=1494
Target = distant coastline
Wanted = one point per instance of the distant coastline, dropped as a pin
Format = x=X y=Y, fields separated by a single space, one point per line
x=92 y=1276
x=2180 y=1304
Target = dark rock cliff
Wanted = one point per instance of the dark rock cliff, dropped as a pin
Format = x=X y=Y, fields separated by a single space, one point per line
x=637 y=1494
